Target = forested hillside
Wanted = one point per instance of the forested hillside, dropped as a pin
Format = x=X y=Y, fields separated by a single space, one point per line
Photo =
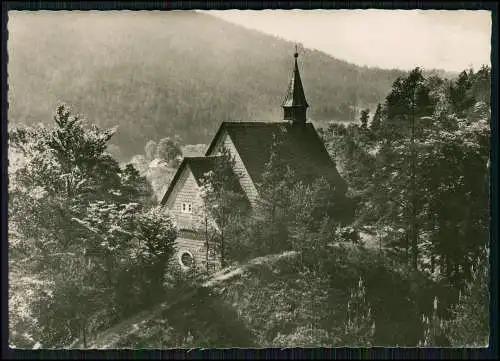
x=164 y=74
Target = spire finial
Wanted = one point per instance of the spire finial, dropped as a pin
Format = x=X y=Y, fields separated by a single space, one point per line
x=295 y=104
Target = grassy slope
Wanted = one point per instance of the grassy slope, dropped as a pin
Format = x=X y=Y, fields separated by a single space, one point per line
x=274 y=302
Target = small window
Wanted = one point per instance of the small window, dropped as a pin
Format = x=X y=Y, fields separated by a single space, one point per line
x=186 y=260
x=187 y=208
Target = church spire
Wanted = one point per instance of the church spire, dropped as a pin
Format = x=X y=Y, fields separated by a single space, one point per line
x=295 y=103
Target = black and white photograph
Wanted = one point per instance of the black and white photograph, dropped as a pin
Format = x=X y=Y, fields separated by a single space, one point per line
x=201 y=179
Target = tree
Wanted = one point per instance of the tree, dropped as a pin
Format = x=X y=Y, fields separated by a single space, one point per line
x=150 y=150
x=168 y=150
x=460 y=94
x=63 y=169
x=314 y=219
x=75 y=212
x=274 y=187
x=134 y=186
x=224 y=201
x=408 y=99
x=408 y=102
x=377 y=118
x=292 y=211
x=155 y=234
x=365 y=115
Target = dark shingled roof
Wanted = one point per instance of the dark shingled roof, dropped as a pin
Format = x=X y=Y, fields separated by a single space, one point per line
x=199 y=167
x=301 y=148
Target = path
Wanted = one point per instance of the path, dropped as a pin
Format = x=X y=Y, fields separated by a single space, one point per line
x=110 y=337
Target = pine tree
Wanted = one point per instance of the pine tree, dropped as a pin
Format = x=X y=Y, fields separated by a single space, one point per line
x=365 y=115
x=274 y=199
x=377 y=118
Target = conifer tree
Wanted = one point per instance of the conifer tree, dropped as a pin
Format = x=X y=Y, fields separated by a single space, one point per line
x=377 y=118
x=365 y=115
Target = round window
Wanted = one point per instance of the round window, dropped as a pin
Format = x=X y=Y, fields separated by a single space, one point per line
x=186 y=259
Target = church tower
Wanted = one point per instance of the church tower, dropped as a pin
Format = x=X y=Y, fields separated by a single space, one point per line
x=295 y=103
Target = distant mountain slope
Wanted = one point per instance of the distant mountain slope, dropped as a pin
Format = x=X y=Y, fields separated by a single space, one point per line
x=156 y=74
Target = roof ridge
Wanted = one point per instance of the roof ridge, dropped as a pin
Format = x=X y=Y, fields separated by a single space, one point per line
x=201 y=157
x=256 y=123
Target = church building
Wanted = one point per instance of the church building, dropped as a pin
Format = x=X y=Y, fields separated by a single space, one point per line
x=249 y=143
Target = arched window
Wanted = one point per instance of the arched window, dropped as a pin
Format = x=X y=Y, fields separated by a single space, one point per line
x=186 y=259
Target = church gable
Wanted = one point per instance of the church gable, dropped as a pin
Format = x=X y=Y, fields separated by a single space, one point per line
x=223 y=140
x=183 y=199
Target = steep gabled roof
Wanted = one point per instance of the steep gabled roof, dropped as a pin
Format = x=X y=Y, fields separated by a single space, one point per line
x=199 y=166
x=301 y=148
x=295 y=96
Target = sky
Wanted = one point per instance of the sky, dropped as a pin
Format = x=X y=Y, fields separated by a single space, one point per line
x=433 y=39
